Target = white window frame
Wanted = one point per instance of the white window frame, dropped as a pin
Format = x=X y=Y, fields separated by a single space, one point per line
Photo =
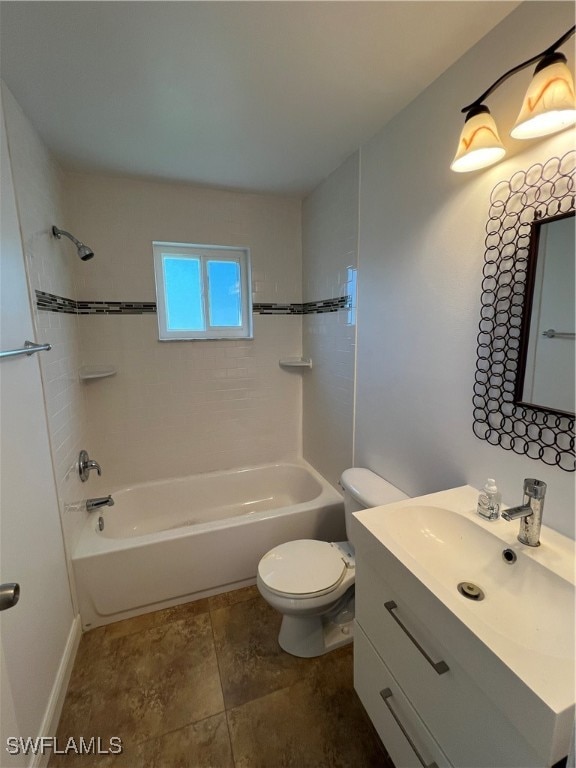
x=204 y=253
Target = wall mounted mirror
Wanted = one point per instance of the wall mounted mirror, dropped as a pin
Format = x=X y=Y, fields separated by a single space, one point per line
x=524 y=382
x=547 y=362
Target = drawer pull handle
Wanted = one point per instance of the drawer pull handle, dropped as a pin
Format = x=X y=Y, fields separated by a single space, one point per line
x=439 y=666
x=386 y=694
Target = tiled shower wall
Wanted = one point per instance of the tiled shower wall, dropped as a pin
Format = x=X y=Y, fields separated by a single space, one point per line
x=177 y=408
x=39 y=185
x=330 y=260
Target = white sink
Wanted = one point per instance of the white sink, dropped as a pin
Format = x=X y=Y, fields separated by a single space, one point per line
x=526 y=617
x=524 y=601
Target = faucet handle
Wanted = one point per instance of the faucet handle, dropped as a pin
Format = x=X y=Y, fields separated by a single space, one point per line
x=536 y=489
x=85 y=465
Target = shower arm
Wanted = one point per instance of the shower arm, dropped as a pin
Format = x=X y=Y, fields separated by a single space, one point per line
x=59 y=232
x=84 y=252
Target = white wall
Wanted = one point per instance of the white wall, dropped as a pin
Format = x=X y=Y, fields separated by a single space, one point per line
x=422 y=231
x=39 y=186
x=37 y=634
x=177 y=408
x=329 y=252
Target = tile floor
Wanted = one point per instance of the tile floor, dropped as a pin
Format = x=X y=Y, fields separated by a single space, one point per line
x=206 y=684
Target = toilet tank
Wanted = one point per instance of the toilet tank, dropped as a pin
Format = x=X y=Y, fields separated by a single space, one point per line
x=364 y=489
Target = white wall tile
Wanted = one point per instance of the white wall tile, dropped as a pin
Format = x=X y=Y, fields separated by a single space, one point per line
x=329 y=250
x=39 y=185
x=184 y=407
x=177 y=408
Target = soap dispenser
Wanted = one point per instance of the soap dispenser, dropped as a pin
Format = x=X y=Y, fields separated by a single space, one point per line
x=489 y=500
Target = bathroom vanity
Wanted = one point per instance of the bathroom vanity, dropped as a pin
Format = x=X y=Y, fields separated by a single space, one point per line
x=483 y=676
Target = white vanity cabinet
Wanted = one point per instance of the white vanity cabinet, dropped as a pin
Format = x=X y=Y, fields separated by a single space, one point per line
x=435 y=693
x=406 y=738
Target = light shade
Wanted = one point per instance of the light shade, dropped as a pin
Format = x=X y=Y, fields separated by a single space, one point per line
x=549 y=105
x=479 y=144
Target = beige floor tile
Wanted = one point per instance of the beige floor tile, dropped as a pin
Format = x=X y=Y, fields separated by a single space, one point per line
x=166 y=677
x=156 y=619
x=161 y=682
x=315 y=723
x=75 y=715
x=251 y=662
x=134 y=715
x=278 y=730
x=133 y=756
x=92 y=669
x=226 y=599
x=205 y=744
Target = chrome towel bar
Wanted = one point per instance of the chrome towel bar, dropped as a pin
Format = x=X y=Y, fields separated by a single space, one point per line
x=29 y=348
x=552 y=334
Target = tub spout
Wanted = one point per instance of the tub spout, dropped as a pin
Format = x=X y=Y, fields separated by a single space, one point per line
x=102 y=501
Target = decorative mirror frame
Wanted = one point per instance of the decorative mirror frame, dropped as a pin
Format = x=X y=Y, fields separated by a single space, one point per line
x=541 y=192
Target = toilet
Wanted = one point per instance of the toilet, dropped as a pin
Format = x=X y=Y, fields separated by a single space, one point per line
x=312 y=582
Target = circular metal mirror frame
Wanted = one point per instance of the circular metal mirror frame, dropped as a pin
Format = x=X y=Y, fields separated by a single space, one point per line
x=541 y=192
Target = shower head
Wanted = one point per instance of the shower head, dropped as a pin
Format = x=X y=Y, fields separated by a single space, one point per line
x=84 y=252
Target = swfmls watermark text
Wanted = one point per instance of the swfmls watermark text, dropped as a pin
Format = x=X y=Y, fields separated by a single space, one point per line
x=42 y=745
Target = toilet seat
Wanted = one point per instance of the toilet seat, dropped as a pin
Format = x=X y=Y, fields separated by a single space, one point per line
x=302 y=568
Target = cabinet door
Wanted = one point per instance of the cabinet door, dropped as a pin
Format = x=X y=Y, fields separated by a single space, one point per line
x=406 y=738
x=463 y=719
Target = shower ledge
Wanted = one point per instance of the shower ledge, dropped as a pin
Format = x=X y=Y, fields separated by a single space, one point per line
x=295 y=362
x=88 y=372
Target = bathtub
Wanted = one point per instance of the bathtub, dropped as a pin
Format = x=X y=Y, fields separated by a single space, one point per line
x=167 y=542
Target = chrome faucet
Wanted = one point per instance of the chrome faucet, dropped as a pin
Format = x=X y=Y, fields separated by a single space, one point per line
x=529 y=512
x=102 y=501
x=85 y=465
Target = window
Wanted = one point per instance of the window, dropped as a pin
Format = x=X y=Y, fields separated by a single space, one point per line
x=202 y=291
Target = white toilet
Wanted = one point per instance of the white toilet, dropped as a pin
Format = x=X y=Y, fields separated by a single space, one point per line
x=312 y=582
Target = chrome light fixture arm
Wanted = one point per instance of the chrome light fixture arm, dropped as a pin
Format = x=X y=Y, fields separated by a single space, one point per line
x=480 y=145
x=550 y=50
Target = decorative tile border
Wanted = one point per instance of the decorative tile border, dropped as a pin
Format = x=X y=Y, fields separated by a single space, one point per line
x=52 y=303
x=327 y=305
x=263 y=308
x=116 y=307
x=308 y=308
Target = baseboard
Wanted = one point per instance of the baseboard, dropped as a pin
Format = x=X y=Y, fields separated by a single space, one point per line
x=58 y=693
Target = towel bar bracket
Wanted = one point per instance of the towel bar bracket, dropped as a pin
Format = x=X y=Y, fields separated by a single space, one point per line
x=28 y=349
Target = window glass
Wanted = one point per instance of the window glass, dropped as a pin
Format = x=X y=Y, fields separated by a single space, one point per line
x=224 y=292
x=202 y=291
x=183 y=292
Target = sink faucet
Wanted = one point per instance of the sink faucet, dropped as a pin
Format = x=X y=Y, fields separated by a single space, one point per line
x=102 y=501
x=529 y=512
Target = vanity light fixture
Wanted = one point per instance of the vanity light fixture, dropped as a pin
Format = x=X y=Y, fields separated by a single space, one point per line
x=549 y=106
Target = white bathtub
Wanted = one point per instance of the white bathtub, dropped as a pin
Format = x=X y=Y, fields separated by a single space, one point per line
x=171 y=541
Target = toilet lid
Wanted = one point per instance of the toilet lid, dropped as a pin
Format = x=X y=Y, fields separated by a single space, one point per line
x=302 y=567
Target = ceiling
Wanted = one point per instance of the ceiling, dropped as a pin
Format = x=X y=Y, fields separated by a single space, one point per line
x=262 y=96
